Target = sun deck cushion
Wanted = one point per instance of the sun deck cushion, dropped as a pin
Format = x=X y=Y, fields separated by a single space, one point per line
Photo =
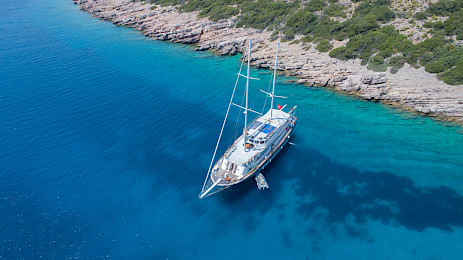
x=267 y=129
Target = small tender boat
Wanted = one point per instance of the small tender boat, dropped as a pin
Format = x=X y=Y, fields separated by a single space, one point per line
x=260 y=142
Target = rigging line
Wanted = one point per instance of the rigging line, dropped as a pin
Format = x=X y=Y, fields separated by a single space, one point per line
x=235 y=130
x=238 y=118
x=266 y=96
x=253 y=100
x=233 y=137
x=221 y=131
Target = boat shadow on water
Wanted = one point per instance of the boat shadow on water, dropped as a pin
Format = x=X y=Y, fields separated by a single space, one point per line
x=341 y=194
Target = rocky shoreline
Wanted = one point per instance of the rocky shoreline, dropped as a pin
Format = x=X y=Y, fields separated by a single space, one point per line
x=414 y=89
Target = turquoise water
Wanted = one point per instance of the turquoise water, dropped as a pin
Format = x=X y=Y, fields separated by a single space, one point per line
x=106 y=137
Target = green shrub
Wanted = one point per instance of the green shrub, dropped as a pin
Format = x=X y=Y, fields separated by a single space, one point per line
x=289 y=35
x=428 y=25
x=338 y=53
x=454 y=24
x=421 y=16
x=444 y=7
x=386 y=53
x=217 y=12
x=426 y=58
x=303 y=21
x=454 y=76
x=165 y=2
x=315 y=5
x=435 y=66
x=365 y=60
x=264 y=13
x=335 y=10
x=325 y=28
x=324 y=46
x=450 y=57
x=307 y=38
x=438 y=25
x=357 y=25
x=412 y=57
x=376 y=63
x=396 y=63
x=431 y=44
x=377 y=10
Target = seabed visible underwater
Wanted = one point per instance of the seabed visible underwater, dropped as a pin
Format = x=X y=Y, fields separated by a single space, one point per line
x=106 y=137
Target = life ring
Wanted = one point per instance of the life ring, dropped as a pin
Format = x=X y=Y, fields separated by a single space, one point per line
x=227 y=178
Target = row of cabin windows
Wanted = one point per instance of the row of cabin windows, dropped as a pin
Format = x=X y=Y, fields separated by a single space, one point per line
x=256 y=142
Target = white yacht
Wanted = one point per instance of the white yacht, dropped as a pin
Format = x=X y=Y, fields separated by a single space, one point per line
x=260 y=142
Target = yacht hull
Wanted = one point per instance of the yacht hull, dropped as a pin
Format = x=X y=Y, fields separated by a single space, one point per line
x=258 y=166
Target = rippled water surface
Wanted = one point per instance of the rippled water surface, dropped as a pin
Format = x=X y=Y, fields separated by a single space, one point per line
x=106 y=137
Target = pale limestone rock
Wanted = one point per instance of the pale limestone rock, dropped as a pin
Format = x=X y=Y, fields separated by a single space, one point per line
x=410 y=87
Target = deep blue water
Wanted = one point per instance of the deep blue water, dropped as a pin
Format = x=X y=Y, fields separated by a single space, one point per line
x=106 y=138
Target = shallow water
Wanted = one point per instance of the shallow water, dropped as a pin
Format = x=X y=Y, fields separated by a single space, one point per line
x=106 y=137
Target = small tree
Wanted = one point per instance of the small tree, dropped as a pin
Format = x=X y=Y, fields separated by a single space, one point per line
x=324 y=46
x=376 y=63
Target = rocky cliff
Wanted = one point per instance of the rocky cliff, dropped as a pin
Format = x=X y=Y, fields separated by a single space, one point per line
x=412 y=88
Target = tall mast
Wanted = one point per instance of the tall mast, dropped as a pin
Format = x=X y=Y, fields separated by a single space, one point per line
x=247 y=87
x=274 y=79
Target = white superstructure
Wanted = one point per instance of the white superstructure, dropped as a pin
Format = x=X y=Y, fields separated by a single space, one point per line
x=261 y=140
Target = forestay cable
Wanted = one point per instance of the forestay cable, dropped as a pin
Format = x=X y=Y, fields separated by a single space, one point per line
x=223 y=126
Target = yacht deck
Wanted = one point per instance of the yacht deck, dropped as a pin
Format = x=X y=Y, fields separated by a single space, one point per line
x=259 y=131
